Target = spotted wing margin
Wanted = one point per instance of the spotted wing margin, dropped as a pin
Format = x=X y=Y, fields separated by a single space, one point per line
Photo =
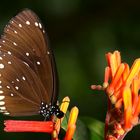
x=21 y=91
x=25 y=38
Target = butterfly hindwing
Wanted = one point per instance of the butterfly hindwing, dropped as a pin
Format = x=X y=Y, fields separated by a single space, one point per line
x=21 y=90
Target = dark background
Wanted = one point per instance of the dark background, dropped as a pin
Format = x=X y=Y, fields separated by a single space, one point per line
x=80 y=33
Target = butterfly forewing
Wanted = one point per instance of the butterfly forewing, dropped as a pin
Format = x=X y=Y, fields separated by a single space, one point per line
x=25 y=55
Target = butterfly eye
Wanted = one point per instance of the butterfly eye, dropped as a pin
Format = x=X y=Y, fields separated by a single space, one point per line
x=28 y=76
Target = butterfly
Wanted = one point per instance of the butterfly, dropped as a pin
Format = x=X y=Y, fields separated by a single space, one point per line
x=28 y=76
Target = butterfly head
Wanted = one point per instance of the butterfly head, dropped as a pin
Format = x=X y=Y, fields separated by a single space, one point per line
x=48 y=110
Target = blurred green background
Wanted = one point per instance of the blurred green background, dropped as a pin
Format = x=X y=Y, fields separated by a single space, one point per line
x=80 y=33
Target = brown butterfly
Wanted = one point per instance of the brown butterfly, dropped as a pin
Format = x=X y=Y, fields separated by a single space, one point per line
x=28 y=76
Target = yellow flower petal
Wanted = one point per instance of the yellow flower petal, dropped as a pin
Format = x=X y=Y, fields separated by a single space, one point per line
x=127 y=100
x=133 y=71
x=65 y=104
x=127 y=97
x=72 y=123
x=63 y=108
x=73 y=116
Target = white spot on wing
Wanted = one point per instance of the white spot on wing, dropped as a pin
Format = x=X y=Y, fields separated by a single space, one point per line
x=23 y=78
x=48 y=52
x=27 y=22
x=6 y=113
x=2 y=97
x=15 y=32
x=8 y=87
x=27 y=54
x=9 y=52
x=0 y=58
x=36 y=24
x=38 y=63
x=40 y=26
x=16 y=87
x=3 y=108
x=3 y=41
x=12 y=94
x=1 y=111
x=2 y=102
x=20 y=25
x=1 y=66
x=9 y=62
x=17 y=80
x=1 y=91
x=15 y=43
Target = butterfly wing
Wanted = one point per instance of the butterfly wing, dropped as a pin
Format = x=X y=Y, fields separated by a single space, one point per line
x=24 y=41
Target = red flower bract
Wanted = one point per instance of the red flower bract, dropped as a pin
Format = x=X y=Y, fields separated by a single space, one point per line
x=29 y=126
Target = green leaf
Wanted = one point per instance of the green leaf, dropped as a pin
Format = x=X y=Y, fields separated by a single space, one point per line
x=95 y=127
x=82 y=132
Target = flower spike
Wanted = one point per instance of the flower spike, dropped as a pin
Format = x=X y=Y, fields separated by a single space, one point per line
x=122 y=85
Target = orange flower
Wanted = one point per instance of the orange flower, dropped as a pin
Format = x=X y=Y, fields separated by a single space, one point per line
x=121 y=85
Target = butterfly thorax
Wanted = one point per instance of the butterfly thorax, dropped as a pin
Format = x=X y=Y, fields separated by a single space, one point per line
x=48 y=110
